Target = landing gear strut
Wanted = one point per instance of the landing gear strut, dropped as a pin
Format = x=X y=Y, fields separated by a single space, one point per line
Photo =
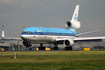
x=41 y=47
x=55 y=47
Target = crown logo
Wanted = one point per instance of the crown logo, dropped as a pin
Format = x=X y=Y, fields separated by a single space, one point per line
x=75 y=17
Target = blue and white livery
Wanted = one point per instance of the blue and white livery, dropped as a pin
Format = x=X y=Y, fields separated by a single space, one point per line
x=54 y=36
x=67 y=37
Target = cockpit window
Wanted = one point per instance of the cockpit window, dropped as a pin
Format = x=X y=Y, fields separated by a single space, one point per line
x=23 y=32
x=26 y=32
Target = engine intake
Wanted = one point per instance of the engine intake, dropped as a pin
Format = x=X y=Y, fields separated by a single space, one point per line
x=68 y=23
x=73 y=24
x=68 y=42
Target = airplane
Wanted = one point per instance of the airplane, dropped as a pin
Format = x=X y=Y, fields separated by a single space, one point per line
x=56 y=36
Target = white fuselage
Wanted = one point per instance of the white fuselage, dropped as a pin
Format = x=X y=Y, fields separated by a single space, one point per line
x=43 y=38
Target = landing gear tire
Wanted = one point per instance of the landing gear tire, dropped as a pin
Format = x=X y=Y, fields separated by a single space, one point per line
x=55 y=48
x=68 y=48
x=41 y=48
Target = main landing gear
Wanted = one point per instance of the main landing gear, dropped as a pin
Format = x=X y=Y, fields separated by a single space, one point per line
x=68 y=48
x=55 y=47
x=41 y=47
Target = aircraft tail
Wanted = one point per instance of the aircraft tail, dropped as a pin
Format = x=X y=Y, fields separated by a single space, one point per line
x=74 y=24
x=75 y=15
x=3 y=34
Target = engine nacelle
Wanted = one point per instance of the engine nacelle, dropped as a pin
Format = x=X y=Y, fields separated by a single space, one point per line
x=69 y=42
x=73 y=24
x=26 y=44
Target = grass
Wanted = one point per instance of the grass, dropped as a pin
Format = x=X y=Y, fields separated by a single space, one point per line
x=53 y=60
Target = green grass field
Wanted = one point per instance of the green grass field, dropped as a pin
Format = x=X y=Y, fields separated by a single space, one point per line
x=53 y=60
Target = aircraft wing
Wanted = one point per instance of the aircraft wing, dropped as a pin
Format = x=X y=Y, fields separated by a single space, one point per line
x=11 y=38
x=89 y=38
x=76 y=39
x=87 y=33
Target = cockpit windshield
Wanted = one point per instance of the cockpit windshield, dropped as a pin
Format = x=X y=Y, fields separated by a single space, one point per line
x=26 y=32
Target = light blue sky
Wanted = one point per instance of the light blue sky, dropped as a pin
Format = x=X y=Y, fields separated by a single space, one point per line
x=15 y=15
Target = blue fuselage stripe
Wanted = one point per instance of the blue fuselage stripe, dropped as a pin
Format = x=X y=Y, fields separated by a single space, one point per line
x=51 y=34
x=48 y=31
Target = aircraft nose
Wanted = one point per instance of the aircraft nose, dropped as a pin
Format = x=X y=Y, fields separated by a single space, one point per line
x=23 y=37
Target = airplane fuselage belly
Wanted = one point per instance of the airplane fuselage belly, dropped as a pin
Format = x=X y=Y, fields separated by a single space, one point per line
x=44 y=38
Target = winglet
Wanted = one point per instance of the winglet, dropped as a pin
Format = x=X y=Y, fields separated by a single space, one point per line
x=3 y=34
x=75 y=15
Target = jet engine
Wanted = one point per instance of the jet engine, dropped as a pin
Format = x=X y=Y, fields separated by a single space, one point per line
x=26 y=44
x=73 y=24
x=68 y=42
